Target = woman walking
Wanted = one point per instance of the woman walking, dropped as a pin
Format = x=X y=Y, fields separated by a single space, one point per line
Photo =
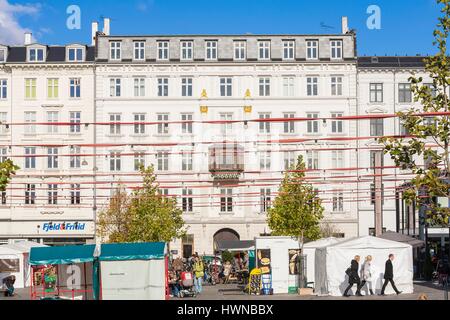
x=367 y=274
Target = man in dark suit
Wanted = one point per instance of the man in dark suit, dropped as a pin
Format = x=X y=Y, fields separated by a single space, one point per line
x=353 y=277
x=389 y=275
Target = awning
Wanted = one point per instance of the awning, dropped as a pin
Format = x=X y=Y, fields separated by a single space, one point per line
x=132 y=251
x=61 y=255
x=236 y=245
x=399 y=237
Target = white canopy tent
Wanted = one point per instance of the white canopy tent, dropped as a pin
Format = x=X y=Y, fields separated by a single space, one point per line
x=309 y=249
x=332 y=261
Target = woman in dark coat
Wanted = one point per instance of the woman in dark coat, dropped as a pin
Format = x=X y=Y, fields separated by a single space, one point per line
x=353 y=277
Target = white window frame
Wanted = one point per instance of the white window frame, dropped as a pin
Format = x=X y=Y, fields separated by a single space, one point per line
x=264 y=86
x=3 y=89
x=76 y=51
x=187 y=201
x=30 y=157
x=52 y=158
x=163 y=87
x=3 y=121
x=52 y=88
x=163 y=123
x=75 y=157
x=115 y=161
x=337 y=126
x=240 y=50
x=3 y=55
x=163 y=50
x=265 y=198
x=115 y=50
x=289 y=50
x=312 y=49
x=288 y=86
x=336 y=49
x=226 y=87
x=187 y=86
x=226 y=200
x=75 y=120
x=52 y=116
x=186 y=50
x=162 y=159
x=264 y=126
x=139 y=87
x=115 y=126
x=35 y=57
x=139 y=123
x=186 y=128
x=265 y=160
x=312 y=86
x=336 y=85
x=312 y=126
x=187 y=161
x=30 y=117
x=211 y=50
x=115 y=87
x=139 y=160
x=75 y=85
x=139 y=50
x=289 y=159
x=289 y=126
x=226 y=128
x=337 y=159
x=264 y=47
x=312 y=160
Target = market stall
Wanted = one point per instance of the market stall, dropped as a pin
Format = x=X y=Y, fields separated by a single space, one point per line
x=67 y=272
x=11 y=263
x=134 y=271
x=332 y=261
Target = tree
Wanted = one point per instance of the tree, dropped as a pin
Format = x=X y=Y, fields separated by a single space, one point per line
x=142 y=216
x=7 y=170
x=425 y=150
x=328 y=230
x=296 y=211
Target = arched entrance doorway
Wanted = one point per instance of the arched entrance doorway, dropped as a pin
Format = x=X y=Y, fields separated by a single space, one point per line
x=225 y=235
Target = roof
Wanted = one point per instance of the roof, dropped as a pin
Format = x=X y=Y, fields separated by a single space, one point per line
x=321 y=242
x=235 y=245
x=211 y=36
x=24 y=246
x=132 y=251
x=62 y=255
x=394 y=236
x=56 y=54
x=391 y=62
x=368 y=242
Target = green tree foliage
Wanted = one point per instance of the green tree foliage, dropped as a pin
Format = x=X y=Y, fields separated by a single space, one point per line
x=7 y=170
x=428 y=138
x=143 y=216
x=296 y=211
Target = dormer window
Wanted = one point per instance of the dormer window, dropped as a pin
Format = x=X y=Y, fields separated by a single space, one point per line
x=115 y=50
x=36 y=55
x=75 y=54
x=2 y=55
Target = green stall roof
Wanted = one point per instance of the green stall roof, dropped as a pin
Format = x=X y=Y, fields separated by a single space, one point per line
x=132 y=251
x=62 y=255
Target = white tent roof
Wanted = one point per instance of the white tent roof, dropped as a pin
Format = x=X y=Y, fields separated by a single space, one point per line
x=322 y=242
x=8 y=253
x=369 y=242
x=24 y=246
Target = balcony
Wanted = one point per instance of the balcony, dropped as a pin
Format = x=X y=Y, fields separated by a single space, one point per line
x=226 y=161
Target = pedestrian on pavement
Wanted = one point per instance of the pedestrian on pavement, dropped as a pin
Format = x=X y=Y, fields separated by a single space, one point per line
x=367 y=274
x=9 y=283
x=353 y=277
x=389 y=275
x=198 y=274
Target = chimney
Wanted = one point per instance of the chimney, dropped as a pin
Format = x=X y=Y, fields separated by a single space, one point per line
x=94 y=32
x=106 y=26
x=344 y=25
x=27 y=39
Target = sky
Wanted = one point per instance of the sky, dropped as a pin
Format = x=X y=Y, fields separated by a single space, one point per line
x=406 y=26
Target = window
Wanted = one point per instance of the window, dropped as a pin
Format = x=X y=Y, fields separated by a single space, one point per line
x=75 y=157
x=75 y=87
x=187 y=49
x=211 y=50
x=75 y=120
x=403 y=130
x=186 y=161
x=288 y=87
x=75 y=194
x=338 y=202
x=404 y=93
x=163 y=50
x=336 y=49
x=312 y=86
x=163 y=160
x=289 y=160
x=3 y=197
x=139 y=87
x=373 y=195
x=187 y=201
x=2 y=55
x=337 y=126
x=372 y=158
x=30 y=119
x=75 y=54
x=264 y=50
x=264 y=87
x=3 y=88
x=226 y=200
x=139 y=123
x=52 y=88
x=264 y=126
x=337 y=158
x=30 y=194
x=30 y=158
x=376 y=127
x=336 y=86
x=115 y=50
x=139 y=50
x=289 y=126
x=36 y=55
x=312 y=126
x=226 y=87
x=186 y=87
x=313 y=160
x=3 y=121
x=114 y=127
x=115 y=162
x=289 y=50
x=239 y=50
x=312 y=49
x=139 y=160
x=115 y=87
x=186 y=127
x=52 y=158
x=376 y=92
x=52 y=117
x=265 y=200
x=264 y=160
x=163 y=87
x=163 y=125
x=30 y=88
x=52 y=194
x=226 y=128
x=431 y=88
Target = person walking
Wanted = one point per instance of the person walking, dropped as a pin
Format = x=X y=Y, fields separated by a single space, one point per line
x=367 y=272
x=389 y=276
x=353 y=277
x=198 y=274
